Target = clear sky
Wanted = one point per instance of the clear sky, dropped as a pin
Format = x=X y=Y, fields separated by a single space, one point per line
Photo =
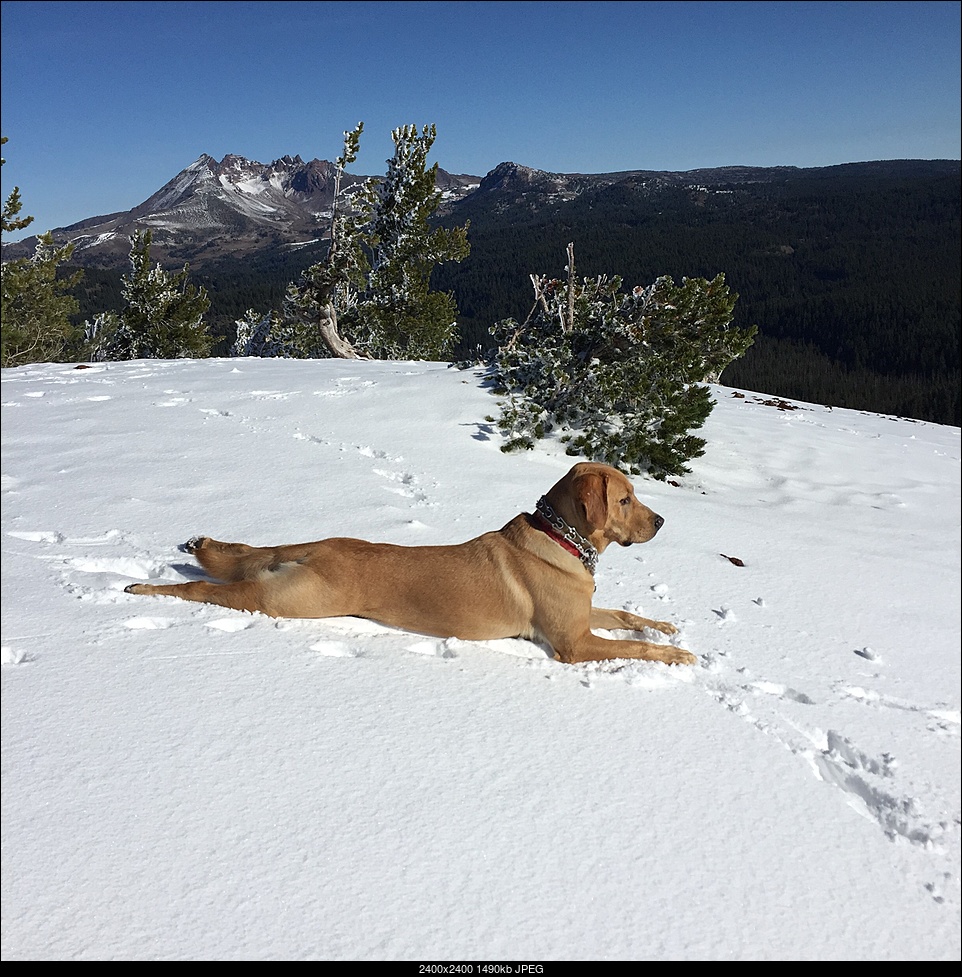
x=103 y=103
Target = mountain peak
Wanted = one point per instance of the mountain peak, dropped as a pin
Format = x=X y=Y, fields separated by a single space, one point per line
x=512 y=174
x=228 y=206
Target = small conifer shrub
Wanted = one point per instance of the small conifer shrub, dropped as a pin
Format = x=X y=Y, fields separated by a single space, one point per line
x=619 y=376
x=162 y=318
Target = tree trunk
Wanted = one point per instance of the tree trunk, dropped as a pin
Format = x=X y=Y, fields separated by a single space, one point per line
x=570 y=324
x=327 y=327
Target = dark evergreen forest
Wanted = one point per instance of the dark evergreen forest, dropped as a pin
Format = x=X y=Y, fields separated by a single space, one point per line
x=852 y=278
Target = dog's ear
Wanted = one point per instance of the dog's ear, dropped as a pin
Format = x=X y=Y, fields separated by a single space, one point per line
x=591 y=491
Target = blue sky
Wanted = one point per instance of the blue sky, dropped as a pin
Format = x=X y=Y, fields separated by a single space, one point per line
x=103 y=103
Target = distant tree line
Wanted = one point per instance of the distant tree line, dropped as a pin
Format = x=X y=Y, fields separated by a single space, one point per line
x=854 y=288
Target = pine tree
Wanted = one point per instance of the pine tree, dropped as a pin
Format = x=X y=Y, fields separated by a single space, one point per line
x=34 y=307
x=311 y=304
x=251 y=334
x=371 y=295
x=163 y=317
x=263 y=334
x=36 y=310
x=399 y=315
x=620 y=377
x=12 y=206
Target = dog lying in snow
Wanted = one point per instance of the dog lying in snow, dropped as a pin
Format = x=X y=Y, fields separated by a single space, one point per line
x=532 y=579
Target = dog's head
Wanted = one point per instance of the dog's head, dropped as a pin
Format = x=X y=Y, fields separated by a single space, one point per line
x=599 y=501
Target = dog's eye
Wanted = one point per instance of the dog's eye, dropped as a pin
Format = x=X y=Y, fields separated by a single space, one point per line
x=626 y=500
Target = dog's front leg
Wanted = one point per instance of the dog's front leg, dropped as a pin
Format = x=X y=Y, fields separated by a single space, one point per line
x=603 y=617
x=591 y=648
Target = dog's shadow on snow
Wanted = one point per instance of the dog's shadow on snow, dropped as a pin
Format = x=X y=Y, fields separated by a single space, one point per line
x=191 y=571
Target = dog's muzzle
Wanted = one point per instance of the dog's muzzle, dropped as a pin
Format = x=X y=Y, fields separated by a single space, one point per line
x=656 y=521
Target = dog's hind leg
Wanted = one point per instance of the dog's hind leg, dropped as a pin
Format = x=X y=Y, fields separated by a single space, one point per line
x=226 y=561
x=284 y=588
x=231 y=562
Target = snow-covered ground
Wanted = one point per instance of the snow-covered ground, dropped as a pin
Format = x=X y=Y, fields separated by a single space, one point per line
x=182 y=781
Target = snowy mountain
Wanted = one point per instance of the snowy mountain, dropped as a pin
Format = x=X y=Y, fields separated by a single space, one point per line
x=238 y=206
x=213 y=208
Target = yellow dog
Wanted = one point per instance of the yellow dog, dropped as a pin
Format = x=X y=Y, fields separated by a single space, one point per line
x=532 y=579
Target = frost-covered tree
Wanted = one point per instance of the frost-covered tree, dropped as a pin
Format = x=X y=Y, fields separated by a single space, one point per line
x=312 y=303
x=398 y=315
x=163 y=316
x=620 y=377
x=264 y=334
x=251 y=334
x=35 y=308
x=12 y=206
x=371 y=296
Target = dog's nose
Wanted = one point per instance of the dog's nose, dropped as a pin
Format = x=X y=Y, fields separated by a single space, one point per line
x=659 y=522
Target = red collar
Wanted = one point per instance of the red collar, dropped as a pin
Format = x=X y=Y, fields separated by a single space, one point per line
x=541 y=523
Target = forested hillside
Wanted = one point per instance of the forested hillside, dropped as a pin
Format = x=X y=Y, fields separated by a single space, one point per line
x=853 y=282
x=851 y=273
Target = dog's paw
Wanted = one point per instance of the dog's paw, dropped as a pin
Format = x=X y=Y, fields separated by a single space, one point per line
x=137 y=588
x=678 y=656
x=193 y=544
x=664 y=627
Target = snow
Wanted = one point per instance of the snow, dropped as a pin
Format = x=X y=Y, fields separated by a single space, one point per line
x=181 y=781
x=243 y=195
x=197 y=174
x=452 y=194
x=92 y=241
